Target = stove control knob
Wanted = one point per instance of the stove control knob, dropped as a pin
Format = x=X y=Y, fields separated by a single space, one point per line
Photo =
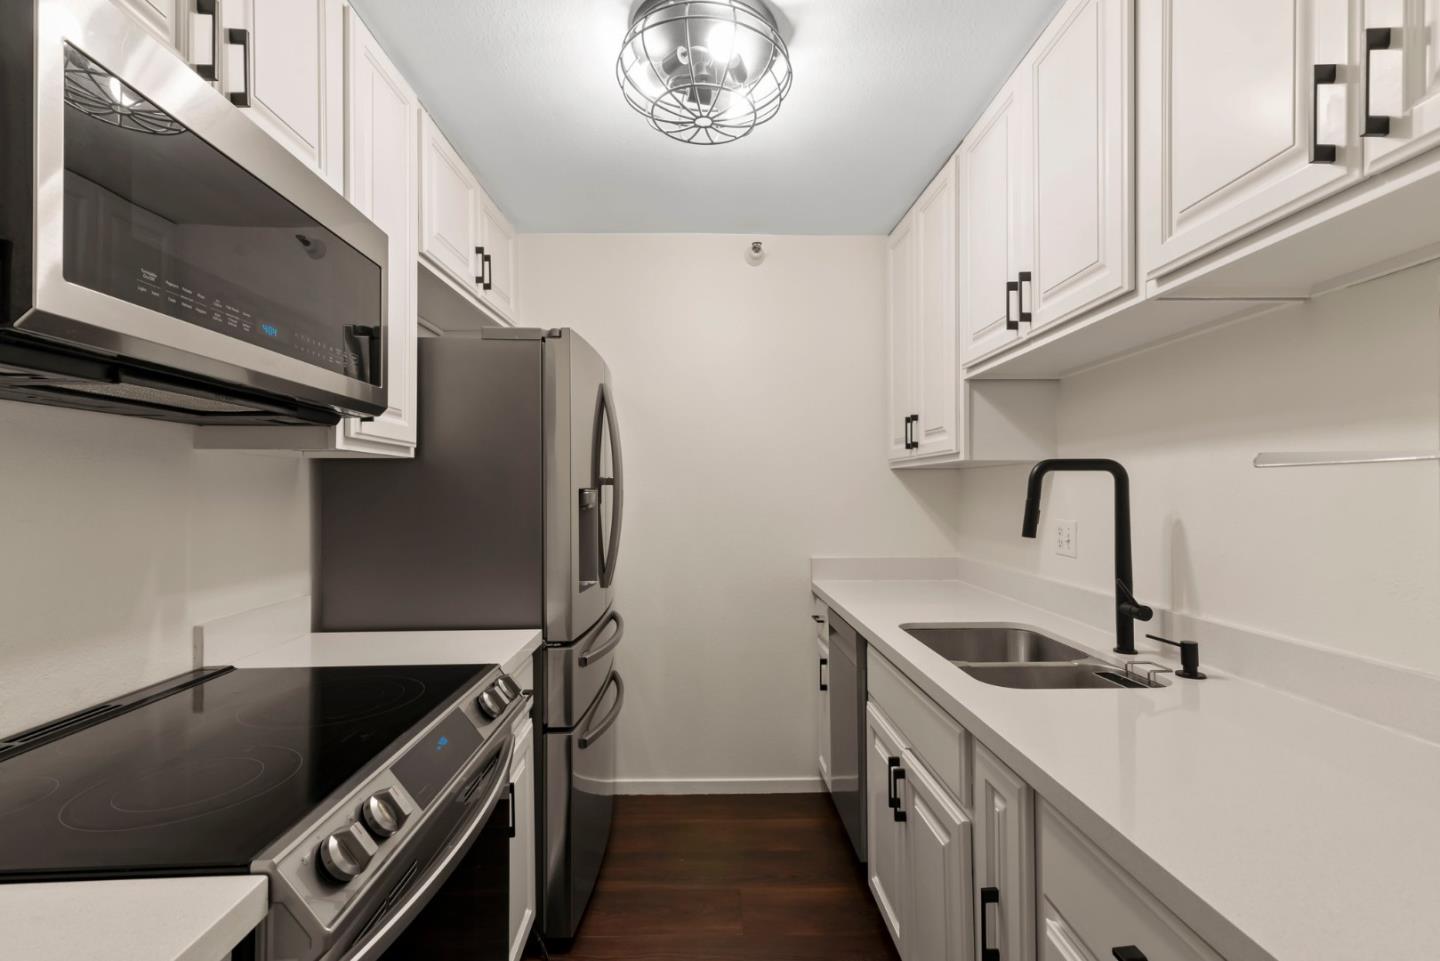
x=343 y=855
x=508 y=687
x=491 y=703
x=382 y=815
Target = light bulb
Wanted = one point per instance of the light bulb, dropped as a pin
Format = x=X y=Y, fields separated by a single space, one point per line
x=721 y=41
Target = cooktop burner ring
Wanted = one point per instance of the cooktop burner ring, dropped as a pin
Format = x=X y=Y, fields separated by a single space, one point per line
x=137 y=802
x=18 y=793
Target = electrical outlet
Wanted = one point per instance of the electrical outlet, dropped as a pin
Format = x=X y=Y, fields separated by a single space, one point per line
x=1065 y=543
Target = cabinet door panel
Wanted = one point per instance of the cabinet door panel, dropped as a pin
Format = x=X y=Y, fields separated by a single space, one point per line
x=449 y=198
x=381 y=181
x=1004 y=856
x=1229 y=88
x=498 y=239
x=885 y=839
x=1406 y=80
x=522 y=845
x=936 y=364
x=992 y=158
x=823 y=719
x=296 y=75
x=1081 y=82
x=940 y=924
x=901 y=277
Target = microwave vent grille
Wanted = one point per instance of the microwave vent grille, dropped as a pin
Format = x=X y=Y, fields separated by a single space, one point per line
x=139 y=394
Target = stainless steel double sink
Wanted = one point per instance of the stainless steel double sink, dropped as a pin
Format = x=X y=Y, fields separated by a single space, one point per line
x=1018 y=658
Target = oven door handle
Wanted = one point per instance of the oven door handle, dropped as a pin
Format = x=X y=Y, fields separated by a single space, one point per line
x=598 y=731
x=437 y=872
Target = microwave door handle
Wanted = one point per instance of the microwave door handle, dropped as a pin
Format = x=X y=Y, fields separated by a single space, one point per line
x=615 y=482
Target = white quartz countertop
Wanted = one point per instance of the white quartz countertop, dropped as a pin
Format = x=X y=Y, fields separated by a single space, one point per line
x=201 y=919
x=1276 y=827
x=157 y=919
x=510 y=649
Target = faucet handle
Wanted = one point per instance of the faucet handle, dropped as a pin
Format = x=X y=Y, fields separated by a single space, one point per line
x=1129 y=605
x=1189 y=657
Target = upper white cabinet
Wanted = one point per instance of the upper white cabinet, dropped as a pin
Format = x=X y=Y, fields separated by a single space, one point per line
x=285 y=66
x=1402 y=104
x=935 y=417
x=1242 y=118
x=449 y=201
x=902 y=320
x=381 y=180
x=464 y=238
x=993 y=222
x=1080 y=90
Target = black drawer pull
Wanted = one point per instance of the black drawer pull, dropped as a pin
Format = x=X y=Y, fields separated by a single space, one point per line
x=1129 y=953
x=1011 y=287
x=900 y=814
x=988 y=896
x=893 y=763
x=823 y=661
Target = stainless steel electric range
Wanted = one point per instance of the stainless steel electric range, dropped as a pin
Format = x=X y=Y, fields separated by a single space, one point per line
x=357 y=790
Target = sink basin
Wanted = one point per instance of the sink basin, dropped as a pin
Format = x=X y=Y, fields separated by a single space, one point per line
x=992 y=645
x=1052 y=677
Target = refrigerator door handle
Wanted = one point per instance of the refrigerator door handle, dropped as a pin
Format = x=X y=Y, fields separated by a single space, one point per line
x=616 y=483
x=598 y=731
x=596 y=650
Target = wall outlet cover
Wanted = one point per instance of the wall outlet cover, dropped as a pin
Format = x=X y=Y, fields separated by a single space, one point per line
x=1065 y=539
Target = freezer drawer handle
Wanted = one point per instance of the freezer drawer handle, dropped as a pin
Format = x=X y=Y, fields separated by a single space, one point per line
x=593 y=653
x=598 y=731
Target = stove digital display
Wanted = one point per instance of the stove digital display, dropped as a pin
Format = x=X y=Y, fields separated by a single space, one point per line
x=433 y=761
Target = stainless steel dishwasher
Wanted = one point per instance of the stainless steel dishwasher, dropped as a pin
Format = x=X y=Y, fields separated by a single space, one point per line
x=847 y=728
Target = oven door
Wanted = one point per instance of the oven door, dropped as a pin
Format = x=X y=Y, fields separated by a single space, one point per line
x=164 y=227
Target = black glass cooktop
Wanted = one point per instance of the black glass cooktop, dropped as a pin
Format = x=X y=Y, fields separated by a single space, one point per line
x=204 y=779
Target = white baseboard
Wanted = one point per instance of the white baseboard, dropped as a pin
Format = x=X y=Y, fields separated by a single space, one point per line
x=719 y=785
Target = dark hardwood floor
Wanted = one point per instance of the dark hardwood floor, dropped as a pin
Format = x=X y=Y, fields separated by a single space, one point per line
x=732 y=878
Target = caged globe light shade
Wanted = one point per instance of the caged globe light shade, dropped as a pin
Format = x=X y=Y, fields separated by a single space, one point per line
x=704 y=71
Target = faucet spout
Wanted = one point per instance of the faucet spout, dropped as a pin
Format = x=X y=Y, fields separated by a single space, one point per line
x=1127 y=609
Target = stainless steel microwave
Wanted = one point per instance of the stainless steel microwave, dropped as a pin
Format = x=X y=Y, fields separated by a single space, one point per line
x=160 y=254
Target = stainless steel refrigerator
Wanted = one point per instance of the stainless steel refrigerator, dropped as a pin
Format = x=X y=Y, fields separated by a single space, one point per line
x=508 y=516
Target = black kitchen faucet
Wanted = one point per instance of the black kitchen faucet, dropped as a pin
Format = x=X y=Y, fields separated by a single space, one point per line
x=1127 y=609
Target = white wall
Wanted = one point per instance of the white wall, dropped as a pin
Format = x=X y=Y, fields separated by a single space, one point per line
x=116 y=538
x=1344 y=557
x=751 y=406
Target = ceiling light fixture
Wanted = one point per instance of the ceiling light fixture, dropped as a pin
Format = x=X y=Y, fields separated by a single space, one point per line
x=704 y=71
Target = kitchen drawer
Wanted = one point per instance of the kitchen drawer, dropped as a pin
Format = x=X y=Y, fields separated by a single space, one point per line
x=925 y=729
x=1089 y=906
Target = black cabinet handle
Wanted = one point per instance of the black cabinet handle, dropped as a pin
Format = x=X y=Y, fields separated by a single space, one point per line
x=910 y=442
x=823 y=661
x=1376 y=38
x=210 y=71
x=817 y=618
x=486 y=271
x=907 y=431
x=1011 y=287
x=1128 y=953
x=1321 y=153
x=241 y=38
x=480 y=276
x=899 y=811
x=512 y=809
x=892 y=764
x=988 y=896
x=1020 y=283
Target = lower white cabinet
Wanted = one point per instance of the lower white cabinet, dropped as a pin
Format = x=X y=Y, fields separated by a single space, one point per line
x=1091 y=910
x=823 y=714
x=522 y=845
x=918 y=841
x=1004 y=860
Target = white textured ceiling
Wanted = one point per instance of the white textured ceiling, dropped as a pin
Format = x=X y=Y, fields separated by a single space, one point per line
x=884 y=90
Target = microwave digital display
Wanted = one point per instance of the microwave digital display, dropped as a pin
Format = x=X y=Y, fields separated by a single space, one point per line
x=156 y=216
